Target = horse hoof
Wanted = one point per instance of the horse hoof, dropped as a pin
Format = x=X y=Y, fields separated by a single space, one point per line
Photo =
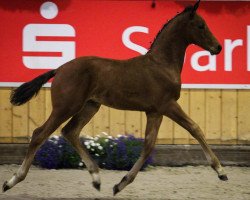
x=97 y=186
x=223 y=177
x=115 y=190
x=5 y=187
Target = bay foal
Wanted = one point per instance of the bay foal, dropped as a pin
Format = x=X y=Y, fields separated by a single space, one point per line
x=149 y=83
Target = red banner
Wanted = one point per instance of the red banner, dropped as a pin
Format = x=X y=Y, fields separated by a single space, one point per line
x=40 y=35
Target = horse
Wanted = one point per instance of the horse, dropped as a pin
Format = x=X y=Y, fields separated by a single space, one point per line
x=150 y=83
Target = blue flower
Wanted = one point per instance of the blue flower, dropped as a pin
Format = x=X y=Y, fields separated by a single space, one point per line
x=119 y=153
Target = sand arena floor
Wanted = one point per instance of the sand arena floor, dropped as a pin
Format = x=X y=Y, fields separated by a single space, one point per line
x=156 y=183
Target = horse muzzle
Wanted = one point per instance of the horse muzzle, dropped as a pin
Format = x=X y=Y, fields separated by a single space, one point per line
x=215 y=50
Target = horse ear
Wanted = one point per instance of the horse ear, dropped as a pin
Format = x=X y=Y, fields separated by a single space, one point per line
x=195 y=7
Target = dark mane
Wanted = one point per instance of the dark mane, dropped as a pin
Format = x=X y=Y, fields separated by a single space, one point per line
x=187 y=9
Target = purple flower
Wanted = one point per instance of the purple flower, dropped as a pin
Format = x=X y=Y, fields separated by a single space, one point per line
x=117 y=153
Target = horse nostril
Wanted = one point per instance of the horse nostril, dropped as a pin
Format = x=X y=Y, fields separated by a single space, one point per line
x=219 y=47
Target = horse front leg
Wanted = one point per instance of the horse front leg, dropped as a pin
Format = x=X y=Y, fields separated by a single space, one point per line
x=152 y=128
x=174 y=112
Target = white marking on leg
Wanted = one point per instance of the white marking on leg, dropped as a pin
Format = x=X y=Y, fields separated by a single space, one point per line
x=17 y=177
x=96 y=177
x=12 y=181
x=221 y=171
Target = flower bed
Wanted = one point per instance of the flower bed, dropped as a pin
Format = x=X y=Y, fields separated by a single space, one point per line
x=116 y=153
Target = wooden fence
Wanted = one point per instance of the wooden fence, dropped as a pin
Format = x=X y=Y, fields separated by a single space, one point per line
x=224 y=115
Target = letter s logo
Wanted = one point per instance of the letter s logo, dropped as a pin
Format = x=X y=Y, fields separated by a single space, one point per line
x=30 y=44
x=127 y=42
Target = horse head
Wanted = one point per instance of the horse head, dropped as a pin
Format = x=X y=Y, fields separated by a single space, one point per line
x=198 y=32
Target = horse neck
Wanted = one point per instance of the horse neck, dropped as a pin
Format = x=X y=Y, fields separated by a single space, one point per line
x=169 y=48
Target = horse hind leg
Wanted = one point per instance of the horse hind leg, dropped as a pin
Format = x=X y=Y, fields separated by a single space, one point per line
x=38 y=138
x=71 y=132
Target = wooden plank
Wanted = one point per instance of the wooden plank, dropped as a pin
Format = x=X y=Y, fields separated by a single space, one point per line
x=88 y=129
x=165 y=135
x=166 y=131
x=117 y=122
x=179 y=155
x=229 y=116
x=5 y=114
x=164 y=155
x=101 y=121
x=20 y=124
x=143 y=124
x=48 y=103
x=181 y=136
x=5 y=140
x=133 y=123
x=197 y=110
x=220 y=118
x=243 y=116
x=36 y=111
x=213 y=116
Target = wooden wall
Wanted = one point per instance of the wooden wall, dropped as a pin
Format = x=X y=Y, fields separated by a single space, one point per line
x=224 y=115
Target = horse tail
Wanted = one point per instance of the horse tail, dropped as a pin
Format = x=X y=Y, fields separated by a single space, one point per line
x=27 y=90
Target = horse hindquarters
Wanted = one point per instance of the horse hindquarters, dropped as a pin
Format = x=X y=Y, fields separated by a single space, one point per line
x=67 y=100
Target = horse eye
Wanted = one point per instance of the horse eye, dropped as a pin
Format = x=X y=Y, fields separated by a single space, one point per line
x=202 y=26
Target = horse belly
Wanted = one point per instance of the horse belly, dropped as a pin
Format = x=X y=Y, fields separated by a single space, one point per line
x=128 y=99
x=128 y=89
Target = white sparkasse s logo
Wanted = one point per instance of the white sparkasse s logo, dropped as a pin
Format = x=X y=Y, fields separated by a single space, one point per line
x=48 y=10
